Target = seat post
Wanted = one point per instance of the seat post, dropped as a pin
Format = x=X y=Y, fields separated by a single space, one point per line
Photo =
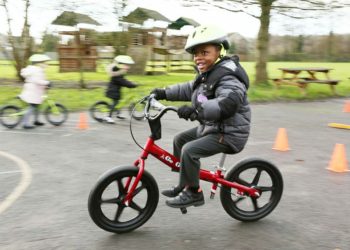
x=222 y=161
x=219 y=172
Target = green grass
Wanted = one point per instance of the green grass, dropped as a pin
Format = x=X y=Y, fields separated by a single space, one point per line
x=77 y=99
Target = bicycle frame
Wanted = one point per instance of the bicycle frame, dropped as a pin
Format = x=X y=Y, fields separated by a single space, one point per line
x=46 y=101
x=51 y=103
x=170 y=160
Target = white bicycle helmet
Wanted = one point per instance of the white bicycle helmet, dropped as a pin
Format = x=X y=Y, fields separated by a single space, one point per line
x=35 y=58
x=123 y=59
x=206 y=34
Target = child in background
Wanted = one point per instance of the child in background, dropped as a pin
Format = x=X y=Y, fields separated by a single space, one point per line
x=117 y=70
x=34 y=88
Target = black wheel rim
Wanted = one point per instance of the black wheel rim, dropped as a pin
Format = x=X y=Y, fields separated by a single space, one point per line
x=10 y=117
x=99 y=111
x=57 y=115
x=111 y=207
x=265 y=181
x=137 y=111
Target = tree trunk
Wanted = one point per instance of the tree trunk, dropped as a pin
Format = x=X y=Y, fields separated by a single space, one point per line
x=263 y=42
x=27 y=40
x=21 y=47
x=80 y=62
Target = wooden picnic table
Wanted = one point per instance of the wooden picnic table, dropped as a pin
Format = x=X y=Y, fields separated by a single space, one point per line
x=302 y=76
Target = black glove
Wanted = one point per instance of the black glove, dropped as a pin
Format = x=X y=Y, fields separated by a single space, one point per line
x=187 y=112
x=159 y=94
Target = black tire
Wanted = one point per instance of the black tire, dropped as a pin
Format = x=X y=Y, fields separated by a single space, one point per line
x=137 y=111
x=56 y=115
x=99 y=110
x=10 y=116
x=261 y=174
x=105 y=200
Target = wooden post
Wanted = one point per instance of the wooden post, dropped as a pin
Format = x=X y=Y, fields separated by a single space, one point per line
x=80 y=62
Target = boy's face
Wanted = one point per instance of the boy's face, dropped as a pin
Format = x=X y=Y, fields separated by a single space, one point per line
x=205 y=56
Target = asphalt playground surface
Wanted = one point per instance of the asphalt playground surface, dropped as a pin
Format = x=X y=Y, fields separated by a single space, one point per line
x=46 y=175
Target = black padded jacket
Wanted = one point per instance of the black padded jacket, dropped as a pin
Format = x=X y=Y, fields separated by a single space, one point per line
x=220 y=97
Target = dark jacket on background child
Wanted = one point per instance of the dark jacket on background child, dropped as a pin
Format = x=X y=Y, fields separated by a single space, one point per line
x=117 y=81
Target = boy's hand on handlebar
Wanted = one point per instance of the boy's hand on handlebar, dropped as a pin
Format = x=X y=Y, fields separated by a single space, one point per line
x=187 y=112
x=159 y=94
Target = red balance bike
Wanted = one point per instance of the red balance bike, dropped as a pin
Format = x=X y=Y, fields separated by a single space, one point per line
x=125 y=197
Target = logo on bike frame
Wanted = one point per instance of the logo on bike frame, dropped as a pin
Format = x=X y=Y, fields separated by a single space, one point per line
x=168 y=159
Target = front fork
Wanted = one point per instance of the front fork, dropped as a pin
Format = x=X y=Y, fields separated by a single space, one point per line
x=53 y=106
x=140 y=163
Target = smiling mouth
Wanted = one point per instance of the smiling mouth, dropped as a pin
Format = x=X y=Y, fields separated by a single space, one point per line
x=200 y=65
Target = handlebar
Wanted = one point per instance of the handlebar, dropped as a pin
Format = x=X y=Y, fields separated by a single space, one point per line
x=151 y=102
x=153 y=120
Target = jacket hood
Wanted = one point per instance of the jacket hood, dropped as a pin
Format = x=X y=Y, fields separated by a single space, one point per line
x=30 y=70
x=226 y=66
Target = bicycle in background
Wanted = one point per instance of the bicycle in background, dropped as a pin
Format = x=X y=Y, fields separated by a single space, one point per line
x=12 y=114
x=101 y=109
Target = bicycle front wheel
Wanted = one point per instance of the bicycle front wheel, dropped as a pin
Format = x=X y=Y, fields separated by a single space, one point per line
x=261 y=175
x=56 y=114
x=137 y=111
x=106 y=206
x=100 y=110
x=10 y=116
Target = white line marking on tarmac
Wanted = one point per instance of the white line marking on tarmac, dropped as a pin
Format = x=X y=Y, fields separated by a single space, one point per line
x=10 y=172
x=66 y=135
x=25 y=181
x=24 y=132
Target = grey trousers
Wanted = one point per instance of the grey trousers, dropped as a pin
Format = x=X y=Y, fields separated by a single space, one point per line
x=189 y=149
x=32 y=108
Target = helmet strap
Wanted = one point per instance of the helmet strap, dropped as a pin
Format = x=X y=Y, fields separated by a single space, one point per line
x=223 y=52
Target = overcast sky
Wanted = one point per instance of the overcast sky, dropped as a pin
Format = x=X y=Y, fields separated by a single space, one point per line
x=42 y=13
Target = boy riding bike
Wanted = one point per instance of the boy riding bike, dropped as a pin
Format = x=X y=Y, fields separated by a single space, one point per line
x=117 y=70
x=219 y=102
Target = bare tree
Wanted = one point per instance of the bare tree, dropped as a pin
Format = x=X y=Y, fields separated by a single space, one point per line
x=267 y=8
x=118 y=9
x=21 y=46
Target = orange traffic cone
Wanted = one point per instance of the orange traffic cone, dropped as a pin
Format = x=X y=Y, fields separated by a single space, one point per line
x=82 y=123
x=338 y=162
x=281 y=142
x=346 y=106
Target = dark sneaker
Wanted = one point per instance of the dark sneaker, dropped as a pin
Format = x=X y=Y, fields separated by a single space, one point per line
x=186 y=199
x=28 y=126
x=172 y=192
x=37 y=123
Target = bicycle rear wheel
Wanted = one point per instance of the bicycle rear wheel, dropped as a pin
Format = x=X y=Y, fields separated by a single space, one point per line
x=257 y=173
x=100 y=110
x=56 y=114
x=106 y=206
x=10 y=116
